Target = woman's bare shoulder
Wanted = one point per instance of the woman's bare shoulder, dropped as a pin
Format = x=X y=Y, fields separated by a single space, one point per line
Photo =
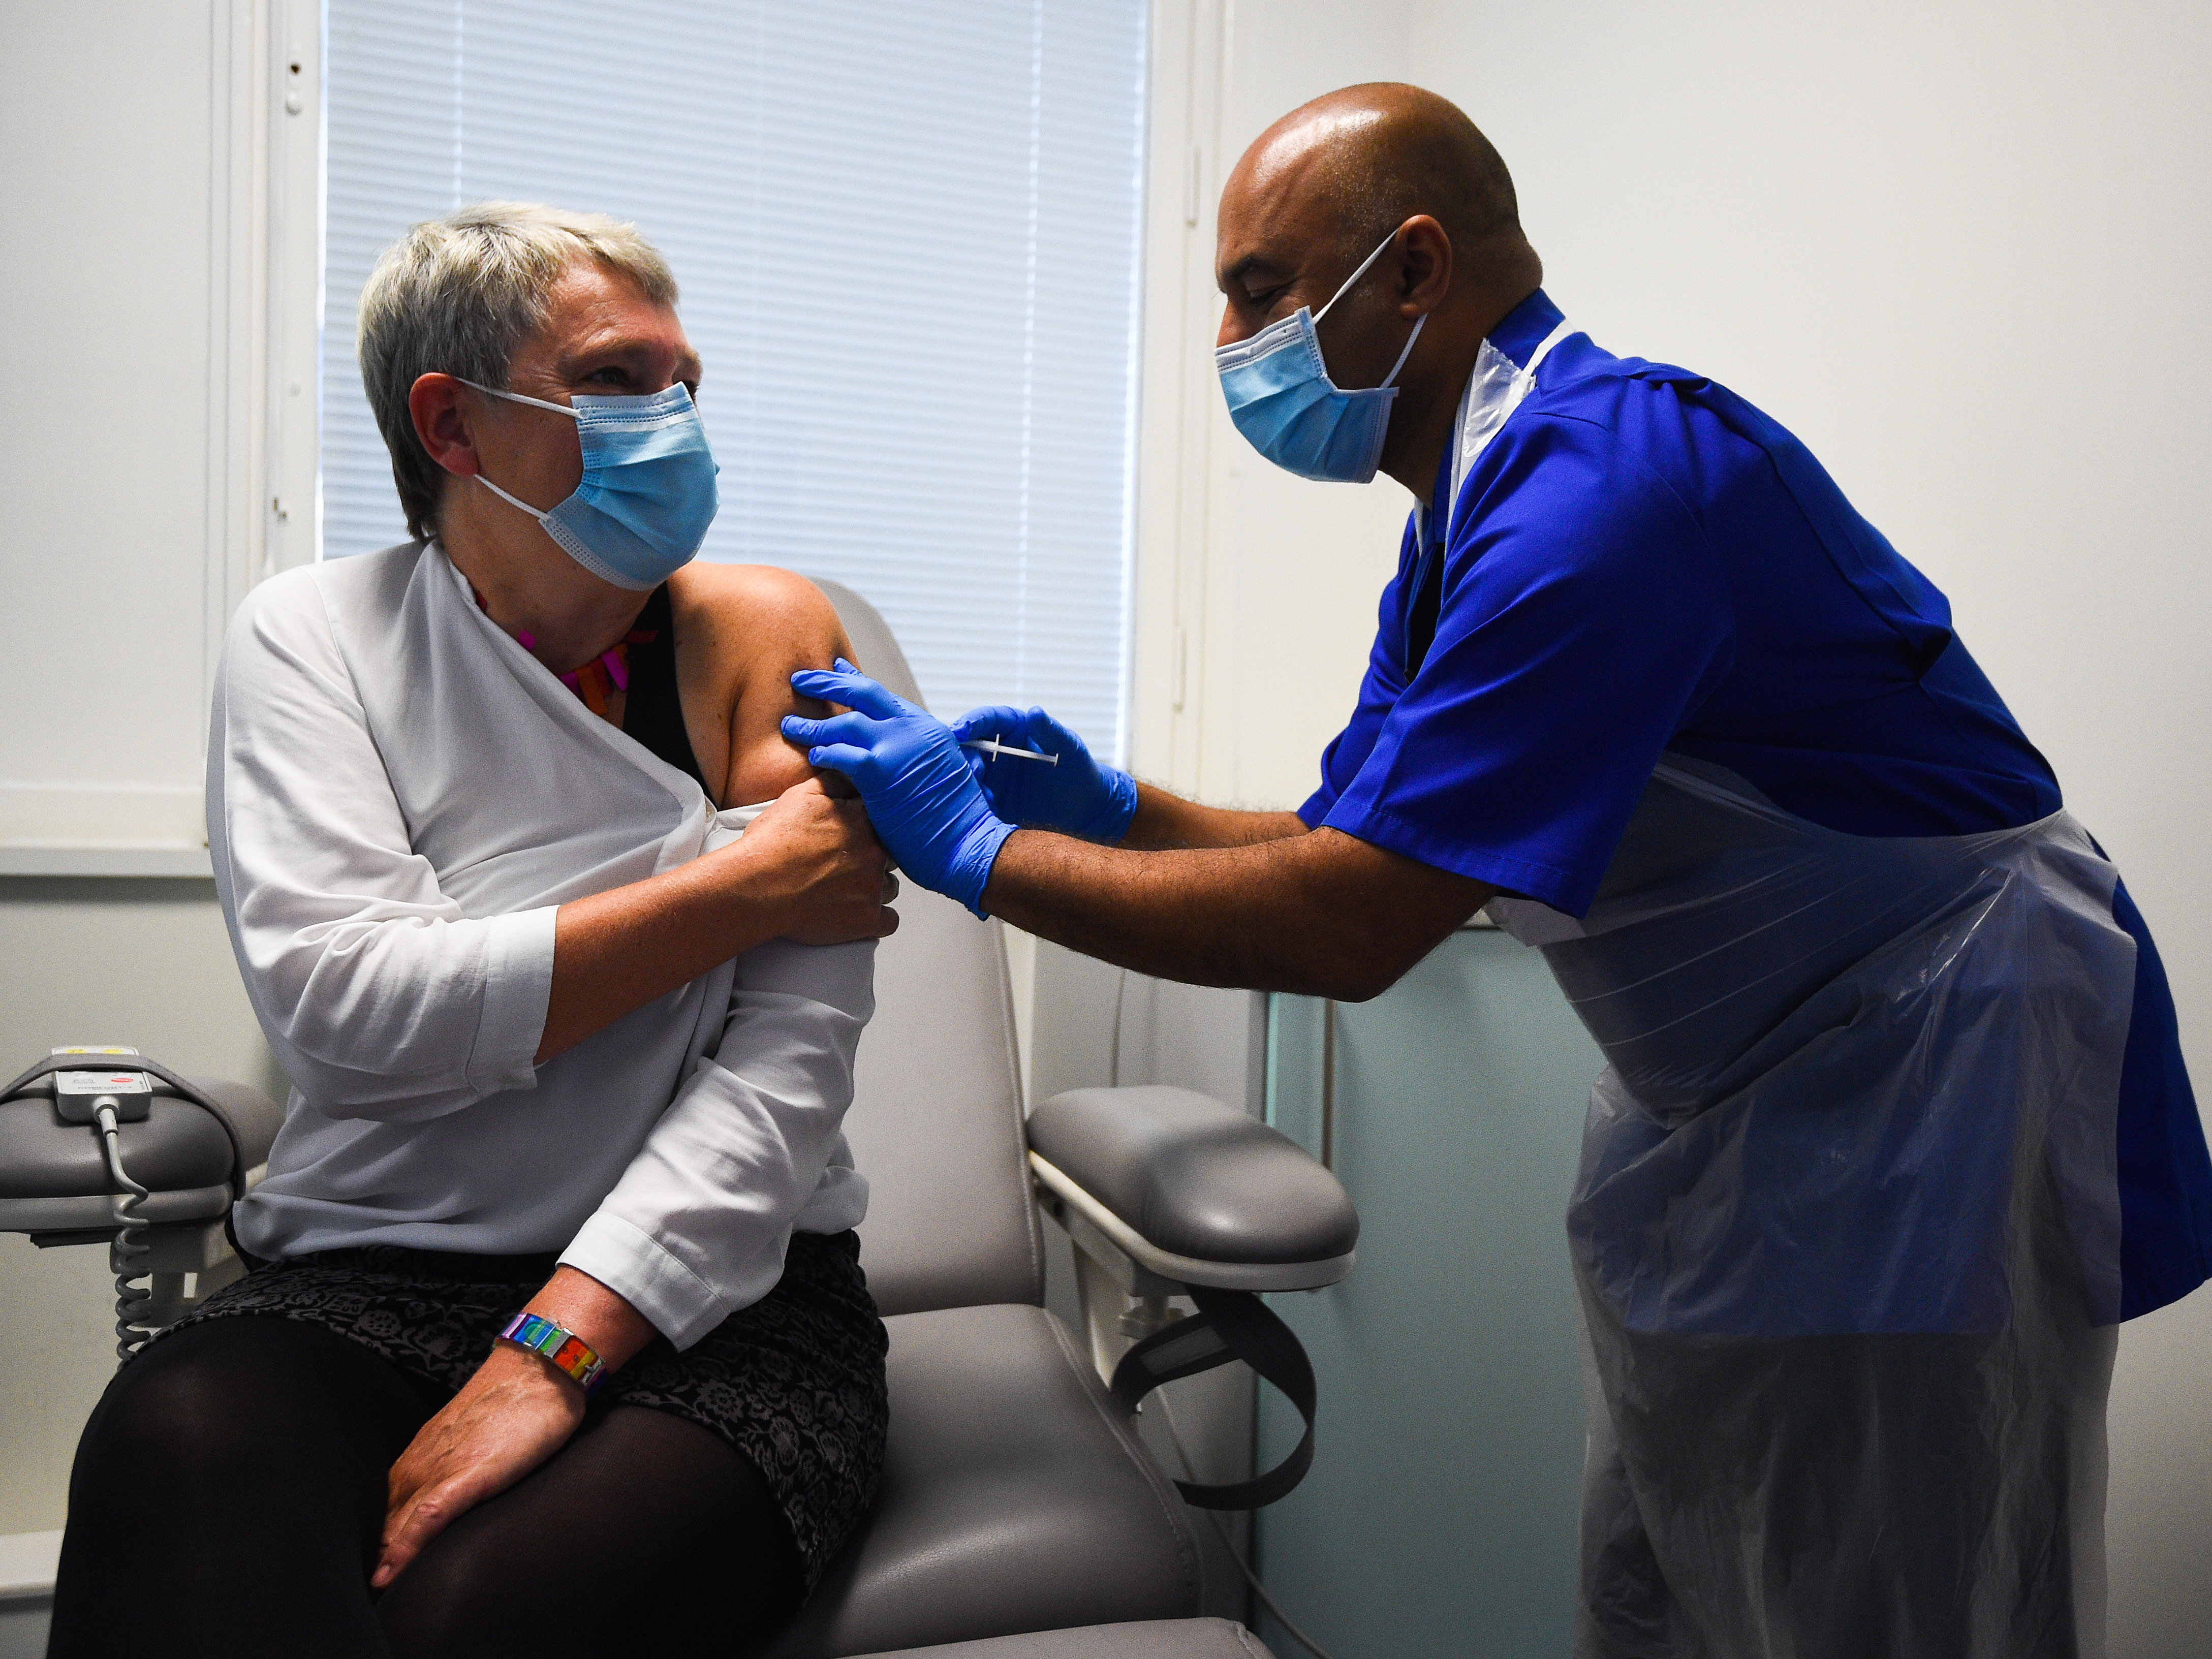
x=743 y=629
x=750 y=608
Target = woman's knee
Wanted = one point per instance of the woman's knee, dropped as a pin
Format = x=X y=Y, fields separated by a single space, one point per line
x=175 y=1408
x=222 y=1405
x=255 y=1450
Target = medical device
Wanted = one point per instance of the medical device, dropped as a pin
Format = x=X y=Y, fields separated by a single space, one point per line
x=106 y=1098
x=993 y=746
x=165 y=1159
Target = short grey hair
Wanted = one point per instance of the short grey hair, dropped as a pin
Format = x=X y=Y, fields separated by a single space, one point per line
x=458 y=295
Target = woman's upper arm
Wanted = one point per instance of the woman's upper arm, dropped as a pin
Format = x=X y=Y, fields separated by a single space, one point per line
x=779 y=622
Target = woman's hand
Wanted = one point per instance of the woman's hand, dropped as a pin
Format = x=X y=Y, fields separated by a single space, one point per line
x=516 y=1411
x=816 y=858
x=809 y=868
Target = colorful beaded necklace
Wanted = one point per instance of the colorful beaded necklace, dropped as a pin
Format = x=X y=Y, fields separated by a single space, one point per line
x=598 y=680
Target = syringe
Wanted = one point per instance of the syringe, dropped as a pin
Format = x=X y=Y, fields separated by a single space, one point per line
x=993 y=746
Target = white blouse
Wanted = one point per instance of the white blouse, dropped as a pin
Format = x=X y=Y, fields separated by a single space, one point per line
x=399 y=796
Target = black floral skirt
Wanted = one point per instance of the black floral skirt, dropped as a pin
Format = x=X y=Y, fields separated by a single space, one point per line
x=795 y=1382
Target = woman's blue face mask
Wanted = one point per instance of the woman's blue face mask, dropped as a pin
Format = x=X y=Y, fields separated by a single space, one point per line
x=1282 y=400
x=648 y=494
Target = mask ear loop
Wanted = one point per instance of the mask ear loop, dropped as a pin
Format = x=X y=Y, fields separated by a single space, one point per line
x=1347 y=289
x=512 y=501
x=1407 y=352
x=540 y=403
x=1348 y=281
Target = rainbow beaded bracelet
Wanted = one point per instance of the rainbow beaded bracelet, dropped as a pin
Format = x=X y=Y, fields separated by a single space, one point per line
x=564 y=1348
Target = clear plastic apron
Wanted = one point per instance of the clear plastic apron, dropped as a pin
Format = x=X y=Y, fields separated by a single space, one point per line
x=1846 y=1231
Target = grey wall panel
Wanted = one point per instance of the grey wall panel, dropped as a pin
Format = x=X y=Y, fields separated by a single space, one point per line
x=1440 y=1516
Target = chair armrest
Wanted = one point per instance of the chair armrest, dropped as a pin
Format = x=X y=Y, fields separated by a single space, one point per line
x=54 y=1179
x=1192 y=1191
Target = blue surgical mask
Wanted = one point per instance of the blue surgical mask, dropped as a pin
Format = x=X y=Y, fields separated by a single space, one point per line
x=648 y=491
x=1282 y=400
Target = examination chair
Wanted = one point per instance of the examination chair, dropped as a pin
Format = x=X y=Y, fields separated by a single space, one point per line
x=1017 y=1503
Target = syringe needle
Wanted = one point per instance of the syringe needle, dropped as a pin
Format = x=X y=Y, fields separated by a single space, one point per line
x=992 y=745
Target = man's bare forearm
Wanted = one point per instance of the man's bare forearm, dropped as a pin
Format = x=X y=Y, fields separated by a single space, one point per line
x=1165 y=820
x=1320 y=912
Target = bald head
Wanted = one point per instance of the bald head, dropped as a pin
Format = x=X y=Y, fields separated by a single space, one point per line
x=1365 y=159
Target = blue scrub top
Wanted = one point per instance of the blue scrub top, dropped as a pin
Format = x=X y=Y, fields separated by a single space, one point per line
x=1638 y=562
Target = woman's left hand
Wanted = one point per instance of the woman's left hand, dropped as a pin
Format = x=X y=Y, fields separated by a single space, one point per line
x=515 y=1413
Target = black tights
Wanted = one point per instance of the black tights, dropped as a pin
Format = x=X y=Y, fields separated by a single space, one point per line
x=228 y=1497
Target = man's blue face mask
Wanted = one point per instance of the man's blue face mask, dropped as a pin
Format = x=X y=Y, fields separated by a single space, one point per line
x=1282 y=400
x=648 y=494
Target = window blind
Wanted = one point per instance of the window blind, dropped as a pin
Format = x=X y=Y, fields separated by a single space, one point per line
x=907 y=241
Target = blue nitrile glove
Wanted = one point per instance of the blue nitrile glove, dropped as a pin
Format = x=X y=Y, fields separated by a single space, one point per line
x=1078 y=797
x=913 y=777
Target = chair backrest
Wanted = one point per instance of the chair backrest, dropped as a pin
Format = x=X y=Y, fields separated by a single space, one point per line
x=936 y=1124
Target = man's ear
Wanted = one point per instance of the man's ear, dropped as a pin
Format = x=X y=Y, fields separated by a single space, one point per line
x=439 y=406
x=1424 y=269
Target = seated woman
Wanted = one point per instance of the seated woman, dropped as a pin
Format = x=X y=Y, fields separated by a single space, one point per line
x=558 y=1339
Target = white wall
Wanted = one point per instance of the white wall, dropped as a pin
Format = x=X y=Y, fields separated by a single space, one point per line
x=1256 y=590
x=133 y=460
x=152 y=468
x=107 y=452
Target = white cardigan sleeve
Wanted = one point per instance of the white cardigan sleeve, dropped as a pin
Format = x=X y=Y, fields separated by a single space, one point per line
x=697 y=1226
x=380 y=997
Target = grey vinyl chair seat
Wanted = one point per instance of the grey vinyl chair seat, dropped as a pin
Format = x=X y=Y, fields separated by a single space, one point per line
x=1184 y=1638
x=1015 y=1498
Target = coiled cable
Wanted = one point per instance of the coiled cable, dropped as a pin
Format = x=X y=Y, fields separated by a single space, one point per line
x=130 y=1296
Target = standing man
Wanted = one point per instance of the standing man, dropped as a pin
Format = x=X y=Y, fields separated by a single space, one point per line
x=1895 y=1127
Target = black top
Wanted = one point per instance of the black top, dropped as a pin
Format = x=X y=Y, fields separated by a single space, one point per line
x=652 y=712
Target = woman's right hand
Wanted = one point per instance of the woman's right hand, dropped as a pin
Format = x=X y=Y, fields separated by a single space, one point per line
x=808 y=868
x=817 y=862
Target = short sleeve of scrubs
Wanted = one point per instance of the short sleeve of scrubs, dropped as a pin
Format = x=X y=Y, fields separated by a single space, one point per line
x=1582 y=618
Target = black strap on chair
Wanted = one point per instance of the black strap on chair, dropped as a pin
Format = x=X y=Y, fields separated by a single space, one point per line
x=184 y=1087
x=1228 y=1325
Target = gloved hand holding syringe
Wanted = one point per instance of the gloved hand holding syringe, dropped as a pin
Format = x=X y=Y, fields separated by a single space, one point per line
x=1078 y=797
